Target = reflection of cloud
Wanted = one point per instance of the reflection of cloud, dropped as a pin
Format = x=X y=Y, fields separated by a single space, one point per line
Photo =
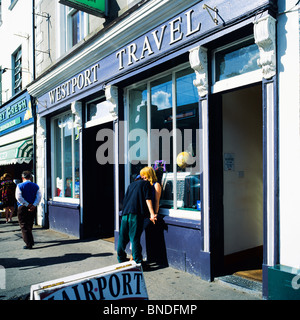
x=161 y=100
x=103 y=110
x=252 y=63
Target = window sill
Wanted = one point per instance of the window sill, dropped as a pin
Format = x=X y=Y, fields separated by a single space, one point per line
x=237 y=81
x=181 y=214
x=66 y=200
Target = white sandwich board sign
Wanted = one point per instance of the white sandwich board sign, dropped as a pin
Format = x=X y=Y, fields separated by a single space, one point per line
x=118 y=282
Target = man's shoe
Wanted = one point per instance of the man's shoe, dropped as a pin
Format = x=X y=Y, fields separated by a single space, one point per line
x=27 y=247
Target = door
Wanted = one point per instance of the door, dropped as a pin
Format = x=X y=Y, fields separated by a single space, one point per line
x=98 y=193
x=242 y=142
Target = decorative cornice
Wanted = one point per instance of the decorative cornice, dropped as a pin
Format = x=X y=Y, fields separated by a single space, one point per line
x=198 y=61
x=76 y=108
x=265 y=38
x=41 y=126
x=111 y=93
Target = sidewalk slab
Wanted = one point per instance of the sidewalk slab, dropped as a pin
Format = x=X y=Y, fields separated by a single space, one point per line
x=57 y=255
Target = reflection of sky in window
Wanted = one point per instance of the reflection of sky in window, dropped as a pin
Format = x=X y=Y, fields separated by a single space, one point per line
x=162 y=95
x=236 y=62
x=186 y=91
x=102 y=110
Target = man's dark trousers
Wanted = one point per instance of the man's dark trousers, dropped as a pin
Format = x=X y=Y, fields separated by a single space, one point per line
x=131 y=230
x=26 y=219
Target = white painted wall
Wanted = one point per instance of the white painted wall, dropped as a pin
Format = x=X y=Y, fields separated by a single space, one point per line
x=289 y=134
x=243 y=186
x=15 y=30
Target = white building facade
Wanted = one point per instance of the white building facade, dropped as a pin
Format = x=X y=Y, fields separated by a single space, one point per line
x=221 y=78
x=16 y=72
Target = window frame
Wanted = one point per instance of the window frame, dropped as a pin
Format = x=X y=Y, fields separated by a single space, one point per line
x=236 y=81
x=98 y=120
x=14 y=59
x=84 y=27
x=53 y=161
x=172 y=212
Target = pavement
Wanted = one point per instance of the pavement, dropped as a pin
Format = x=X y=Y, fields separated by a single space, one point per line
x=56 y=255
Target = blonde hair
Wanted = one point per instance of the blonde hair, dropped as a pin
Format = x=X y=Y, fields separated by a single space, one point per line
x=6 y=176
x=149 y=174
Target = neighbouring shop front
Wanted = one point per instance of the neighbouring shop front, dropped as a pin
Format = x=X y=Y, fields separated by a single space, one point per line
x=196 y=96
x=17 y=136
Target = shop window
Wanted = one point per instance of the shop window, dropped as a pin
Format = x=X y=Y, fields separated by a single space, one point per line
x=235 y=65
x=163 y=128
x=17 y=71
x=65 y=161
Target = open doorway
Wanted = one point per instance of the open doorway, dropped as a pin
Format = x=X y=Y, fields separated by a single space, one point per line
x=98 y=188
x=242 y=123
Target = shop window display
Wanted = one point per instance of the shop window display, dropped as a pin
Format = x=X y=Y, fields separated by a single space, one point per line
x=66 y=157
x=165 y=110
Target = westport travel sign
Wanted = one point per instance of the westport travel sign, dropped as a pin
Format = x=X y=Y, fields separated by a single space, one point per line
x=166 y=41
x=94 y=7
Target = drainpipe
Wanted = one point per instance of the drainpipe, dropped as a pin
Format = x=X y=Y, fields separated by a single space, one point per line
x=33 y=39
x=33 y=102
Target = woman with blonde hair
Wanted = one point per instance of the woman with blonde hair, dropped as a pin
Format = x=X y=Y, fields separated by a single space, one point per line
x=7 y=193
x=149 y=174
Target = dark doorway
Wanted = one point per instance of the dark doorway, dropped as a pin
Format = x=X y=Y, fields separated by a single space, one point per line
x=98 y=188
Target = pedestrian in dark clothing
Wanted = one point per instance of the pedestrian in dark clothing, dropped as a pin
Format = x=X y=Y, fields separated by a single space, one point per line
x=28 y=196
x=136 y=205
x=7 y=194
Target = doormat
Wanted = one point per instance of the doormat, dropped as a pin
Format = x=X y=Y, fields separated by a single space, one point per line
x=112 y=239
x=242 y=284
x=255 y=275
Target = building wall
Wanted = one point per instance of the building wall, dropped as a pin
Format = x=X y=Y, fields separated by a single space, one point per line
x=51 y=29
x=289 y=134
x=14 y=35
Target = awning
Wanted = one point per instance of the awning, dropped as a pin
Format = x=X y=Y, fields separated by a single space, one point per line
x=18 y=152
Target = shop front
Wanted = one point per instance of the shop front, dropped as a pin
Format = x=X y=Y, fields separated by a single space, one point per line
x=17 y=136
x=195 y=96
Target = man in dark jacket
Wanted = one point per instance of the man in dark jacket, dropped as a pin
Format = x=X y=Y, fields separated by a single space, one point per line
x=136 y=207
x=28 y=195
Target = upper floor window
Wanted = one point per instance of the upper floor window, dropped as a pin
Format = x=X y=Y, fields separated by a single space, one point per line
x=17 y=71
x=77 y=26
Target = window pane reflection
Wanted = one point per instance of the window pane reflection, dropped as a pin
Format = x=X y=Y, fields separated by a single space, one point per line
x=237 y=60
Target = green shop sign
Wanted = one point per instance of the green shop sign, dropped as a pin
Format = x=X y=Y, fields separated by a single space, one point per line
x=16 y=114
x=94 y=7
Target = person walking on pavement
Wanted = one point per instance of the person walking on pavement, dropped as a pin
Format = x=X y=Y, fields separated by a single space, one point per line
x=7 y=193
x=28 y=195
x=136 y=204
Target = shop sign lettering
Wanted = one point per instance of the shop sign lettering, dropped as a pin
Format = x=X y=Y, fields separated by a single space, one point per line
x=178 y=29
x=123 y=281
x=16 y=114
x=83 y=80
x=10 y=124
x=155 y=42
x=13 y=110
